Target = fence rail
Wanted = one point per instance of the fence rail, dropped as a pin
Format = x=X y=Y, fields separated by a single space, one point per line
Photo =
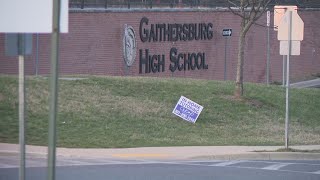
x=143 y=3
x=82 y=4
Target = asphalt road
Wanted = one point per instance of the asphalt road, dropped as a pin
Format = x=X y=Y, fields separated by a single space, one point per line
x=126 y=169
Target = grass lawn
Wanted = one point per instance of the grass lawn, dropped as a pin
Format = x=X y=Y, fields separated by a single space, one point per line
x=135 y=111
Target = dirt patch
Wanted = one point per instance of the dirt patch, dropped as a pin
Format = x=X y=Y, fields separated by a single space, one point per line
x=251 y=102
x=232 y=98
x=255 y=103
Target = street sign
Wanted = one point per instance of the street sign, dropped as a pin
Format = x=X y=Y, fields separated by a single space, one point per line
x=295 y=48
x=268 y=18
x=32 y=16
x=226 y=32
x=279 y=12
x=187 y=109
x=12 y=44
x=297 y=27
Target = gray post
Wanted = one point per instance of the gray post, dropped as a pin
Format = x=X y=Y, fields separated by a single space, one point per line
x=288 y=81
x=37 y=55
x=268 y=58
x=53 y=89
x=225 y=58
x=268 y=48
x=284 y=70
x=21 y=108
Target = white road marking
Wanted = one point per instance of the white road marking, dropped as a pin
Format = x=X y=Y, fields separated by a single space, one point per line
x=279 y=162
x=275 y=166
x=71 y=162
x=199 y=161
x=292 y=171
x=186 y=162
x=317 y=172
x=227 y=163
x=3 y=166
x=84 y=163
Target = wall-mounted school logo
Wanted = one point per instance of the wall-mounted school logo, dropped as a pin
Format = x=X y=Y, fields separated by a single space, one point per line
x=129 y=45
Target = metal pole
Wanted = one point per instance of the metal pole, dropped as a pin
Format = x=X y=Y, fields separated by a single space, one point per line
x=268 y=48
x=21 y=108
x=288 y=81
x=106 y=4
x=53 y=89
x=225 y=58
x=284 y=70
x=37 y=55
x=268 y=57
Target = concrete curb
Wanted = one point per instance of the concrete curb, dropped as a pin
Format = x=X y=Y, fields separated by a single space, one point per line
x=174 y=153
x=263 y=156
x=241 y=156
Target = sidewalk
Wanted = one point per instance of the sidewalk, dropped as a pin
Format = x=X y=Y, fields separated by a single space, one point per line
x=306 y=84
x=176 y=153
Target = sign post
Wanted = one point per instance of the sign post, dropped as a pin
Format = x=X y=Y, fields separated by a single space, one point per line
x=36 y=16
x=284 y=67
x=53 y=89
x=21 y=108
x=290 y=33
x=37 y=56
x=288 y=81
x=226 y=33
x=20 y=45
x=268 y=47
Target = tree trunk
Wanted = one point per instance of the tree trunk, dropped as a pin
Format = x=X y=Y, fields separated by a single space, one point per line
x=250 y=11
x=239 y=79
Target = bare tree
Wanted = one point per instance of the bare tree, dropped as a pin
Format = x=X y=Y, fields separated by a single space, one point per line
x=249 y=11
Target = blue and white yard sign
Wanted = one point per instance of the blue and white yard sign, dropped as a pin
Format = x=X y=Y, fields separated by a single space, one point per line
x=187 y=109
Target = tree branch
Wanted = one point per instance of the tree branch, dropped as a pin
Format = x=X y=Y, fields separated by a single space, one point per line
x=234 y=12
x=256 y=9
x=231 y=2
x=265 y=6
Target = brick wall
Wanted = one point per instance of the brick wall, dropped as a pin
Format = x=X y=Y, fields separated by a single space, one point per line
x=94 y=45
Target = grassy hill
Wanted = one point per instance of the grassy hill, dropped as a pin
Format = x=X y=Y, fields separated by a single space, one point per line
x=136 y=111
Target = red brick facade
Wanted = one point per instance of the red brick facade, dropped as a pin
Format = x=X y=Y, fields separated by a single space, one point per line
x=94 y=45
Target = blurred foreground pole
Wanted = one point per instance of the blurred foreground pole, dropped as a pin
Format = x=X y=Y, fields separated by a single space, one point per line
x=53 y=89
x=22 y=143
